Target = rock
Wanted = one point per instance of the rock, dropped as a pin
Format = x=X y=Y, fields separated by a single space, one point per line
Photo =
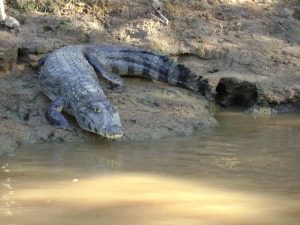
x=286 y=12
x=261 y=111
x=36 y=45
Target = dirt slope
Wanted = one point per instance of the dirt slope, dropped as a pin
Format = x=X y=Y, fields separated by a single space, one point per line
x=249 y=50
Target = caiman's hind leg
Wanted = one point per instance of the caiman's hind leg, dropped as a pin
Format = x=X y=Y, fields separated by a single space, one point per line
x=114 y=80
x=54 y=115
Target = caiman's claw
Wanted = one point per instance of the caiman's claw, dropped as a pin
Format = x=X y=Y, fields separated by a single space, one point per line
x=68 y=128
x=12 y=23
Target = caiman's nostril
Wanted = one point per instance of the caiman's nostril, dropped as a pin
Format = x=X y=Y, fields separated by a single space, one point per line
x=114 y=130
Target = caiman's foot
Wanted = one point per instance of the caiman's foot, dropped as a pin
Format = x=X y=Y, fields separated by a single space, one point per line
x=12 y=23
x=54 y=115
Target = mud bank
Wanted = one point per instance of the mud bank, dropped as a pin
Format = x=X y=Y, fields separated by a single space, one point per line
x=148 y=110
x=249 y=51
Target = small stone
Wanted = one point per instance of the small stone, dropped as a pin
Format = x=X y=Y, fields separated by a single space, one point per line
x=260 y=111
x=286 y=12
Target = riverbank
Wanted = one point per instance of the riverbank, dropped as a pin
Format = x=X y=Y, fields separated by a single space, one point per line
x=249 y=51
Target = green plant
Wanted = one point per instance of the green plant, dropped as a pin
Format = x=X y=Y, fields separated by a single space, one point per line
x=64 y=27
x=33 y=5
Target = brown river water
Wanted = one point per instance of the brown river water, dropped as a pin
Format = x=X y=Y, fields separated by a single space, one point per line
x=246 y=171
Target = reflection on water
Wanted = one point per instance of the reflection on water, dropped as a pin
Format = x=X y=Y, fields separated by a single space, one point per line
x=246 y=171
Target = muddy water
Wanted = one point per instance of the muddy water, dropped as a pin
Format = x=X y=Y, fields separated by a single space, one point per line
x=247 y=171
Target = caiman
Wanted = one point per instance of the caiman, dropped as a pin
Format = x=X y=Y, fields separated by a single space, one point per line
x=69 y=77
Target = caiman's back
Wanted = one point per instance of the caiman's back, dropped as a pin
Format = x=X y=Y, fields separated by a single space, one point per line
x=67 y=72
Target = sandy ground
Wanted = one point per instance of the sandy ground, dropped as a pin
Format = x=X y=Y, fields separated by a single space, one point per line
x=249 y=50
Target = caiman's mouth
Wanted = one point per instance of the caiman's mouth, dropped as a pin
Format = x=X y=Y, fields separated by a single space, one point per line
x=112 y=136
x=107 y=134
x=114 y=132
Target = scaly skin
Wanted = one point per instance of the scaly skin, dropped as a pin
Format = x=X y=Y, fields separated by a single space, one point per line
x=68 y=77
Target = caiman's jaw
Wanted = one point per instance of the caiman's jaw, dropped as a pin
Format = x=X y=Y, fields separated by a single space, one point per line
x=112 y=136
x=115 y=133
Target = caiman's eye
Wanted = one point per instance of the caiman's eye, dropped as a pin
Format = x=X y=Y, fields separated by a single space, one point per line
x=97 y=109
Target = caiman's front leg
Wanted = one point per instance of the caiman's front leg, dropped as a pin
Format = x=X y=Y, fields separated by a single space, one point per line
x=9 y=21
x=54 y=115
x=116 y=82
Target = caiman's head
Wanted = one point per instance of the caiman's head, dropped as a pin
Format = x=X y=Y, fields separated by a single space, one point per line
x=101 y=118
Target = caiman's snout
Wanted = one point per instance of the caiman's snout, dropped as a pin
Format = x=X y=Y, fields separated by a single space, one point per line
x=113 y=132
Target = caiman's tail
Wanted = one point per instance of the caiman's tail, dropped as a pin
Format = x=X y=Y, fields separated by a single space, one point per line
x=125 y=60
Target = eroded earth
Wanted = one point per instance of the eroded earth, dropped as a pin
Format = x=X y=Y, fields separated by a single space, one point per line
x=248 y=50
